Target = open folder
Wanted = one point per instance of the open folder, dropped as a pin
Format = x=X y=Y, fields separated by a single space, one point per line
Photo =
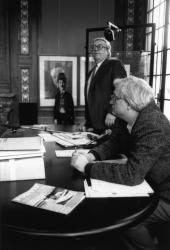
x=98 y=188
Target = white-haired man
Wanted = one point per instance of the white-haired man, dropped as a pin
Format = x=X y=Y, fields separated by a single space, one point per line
x=99 y=86
x=146 y=142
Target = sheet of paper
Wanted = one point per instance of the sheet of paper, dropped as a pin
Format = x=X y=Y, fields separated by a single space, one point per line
x=65 y=141
x=100 y=188
x=68 y=153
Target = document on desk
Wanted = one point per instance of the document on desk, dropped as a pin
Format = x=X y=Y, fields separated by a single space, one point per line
x=68 y=153
x=67 y=139
x=51 y=198
x=100 y=188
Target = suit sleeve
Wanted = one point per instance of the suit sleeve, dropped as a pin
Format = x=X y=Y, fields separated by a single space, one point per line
x=148 y=146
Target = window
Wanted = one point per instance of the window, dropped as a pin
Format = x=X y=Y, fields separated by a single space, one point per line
x=158 y=12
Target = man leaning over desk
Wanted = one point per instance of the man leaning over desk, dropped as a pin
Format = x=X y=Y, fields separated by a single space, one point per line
x=142 y=133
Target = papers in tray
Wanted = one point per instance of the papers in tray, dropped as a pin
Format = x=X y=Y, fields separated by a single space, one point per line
x=50 y=198
x=71 y=139
x=68 y=153
x=100 y=188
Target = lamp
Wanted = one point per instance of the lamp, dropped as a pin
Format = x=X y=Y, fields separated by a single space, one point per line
x=109 y=31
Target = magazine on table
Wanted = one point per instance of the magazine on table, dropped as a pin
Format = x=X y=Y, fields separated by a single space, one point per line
x=50 y=198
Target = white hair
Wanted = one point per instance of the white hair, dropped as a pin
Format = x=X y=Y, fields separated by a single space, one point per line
x=107 y=43
x=135 y=91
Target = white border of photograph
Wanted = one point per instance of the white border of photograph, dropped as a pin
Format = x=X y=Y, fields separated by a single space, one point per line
x=82 y=76
x=62 y=62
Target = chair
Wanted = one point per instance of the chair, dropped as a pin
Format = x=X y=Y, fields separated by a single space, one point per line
x=28 y=113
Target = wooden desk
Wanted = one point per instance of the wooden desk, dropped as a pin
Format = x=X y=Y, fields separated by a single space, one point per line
x=93 y=217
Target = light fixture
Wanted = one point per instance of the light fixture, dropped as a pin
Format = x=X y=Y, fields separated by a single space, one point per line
x=109 y=31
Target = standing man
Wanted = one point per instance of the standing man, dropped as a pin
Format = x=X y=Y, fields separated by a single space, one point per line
x=99 y=87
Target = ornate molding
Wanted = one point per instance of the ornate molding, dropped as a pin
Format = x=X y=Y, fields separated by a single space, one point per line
x=25 y=81
x=24 y=27
x=130 y=20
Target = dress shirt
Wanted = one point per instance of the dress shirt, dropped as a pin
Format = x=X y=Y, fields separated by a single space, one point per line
x=96 y=67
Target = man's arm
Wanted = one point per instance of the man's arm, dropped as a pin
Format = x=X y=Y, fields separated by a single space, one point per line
x=145 y=152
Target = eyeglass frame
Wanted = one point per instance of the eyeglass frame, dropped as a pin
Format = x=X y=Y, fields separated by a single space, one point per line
x=115 y=98
x=97 y=47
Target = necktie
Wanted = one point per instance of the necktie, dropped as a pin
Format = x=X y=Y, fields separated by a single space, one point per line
x=91 y=78
x=93 y=73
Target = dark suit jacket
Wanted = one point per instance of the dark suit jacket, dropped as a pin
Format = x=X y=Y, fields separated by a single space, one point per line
x=100 y=90
x=148 y=152
x=68 y=104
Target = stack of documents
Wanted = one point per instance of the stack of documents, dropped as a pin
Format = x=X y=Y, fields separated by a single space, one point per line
x=21 y=158
x=98 y=188
x=67 y=139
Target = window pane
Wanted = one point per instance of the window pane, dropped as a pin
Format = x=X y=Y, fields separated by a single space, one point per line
x=148 y=42
x=167 y=109
x=160 y=39
x=150 y=4
x=156 y=16
x=156 y=2
x=158 y=63
x=161 y=15
x=167 y=88
x=168 y=63
x=168 y=36
x=156 y=85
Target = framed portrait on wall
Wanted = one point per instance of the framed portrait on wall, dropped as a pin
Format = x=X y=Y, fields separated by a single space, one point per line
x=47 y=89
x=82 y=76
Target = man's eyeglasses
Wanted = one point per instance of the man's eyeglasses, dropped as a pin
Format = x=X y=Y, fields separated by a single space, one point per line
x=97 y=47
x=115 y=98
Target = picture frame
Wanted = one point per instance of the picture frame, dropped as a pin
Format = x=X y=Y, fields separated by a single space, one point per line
x=47 y=89
x=82 y=76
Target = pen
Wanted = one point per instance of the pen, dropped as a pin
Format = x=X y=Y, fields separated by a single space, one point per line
x=88 y=181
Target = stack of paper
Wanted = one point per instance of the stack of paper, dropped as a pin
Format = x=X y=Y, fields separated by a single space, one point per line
x=68 y=153
x=98 y=188
x=21 y=158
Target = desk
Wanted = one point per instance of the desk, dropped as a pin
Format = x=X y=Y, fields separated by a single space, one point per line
x=91 y=218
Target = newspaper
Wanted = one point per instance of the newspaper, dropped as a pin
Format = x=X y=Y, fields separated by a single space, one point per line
x=50 y=198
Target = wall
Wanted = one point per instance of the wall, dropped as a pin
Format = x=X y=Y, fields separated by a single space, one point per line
x=62 y=30
x=55 y=27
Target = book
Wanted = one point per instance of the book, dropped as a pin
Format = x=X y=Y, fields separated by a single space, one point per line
x=23 y=164
x=20 y=143
x=13 y=154
x=50 y=198
x=98 y=188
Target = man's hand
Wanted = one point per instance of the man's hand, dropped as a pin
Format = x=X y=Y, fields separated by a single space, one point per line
x=79 y=161
x=109 y=120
